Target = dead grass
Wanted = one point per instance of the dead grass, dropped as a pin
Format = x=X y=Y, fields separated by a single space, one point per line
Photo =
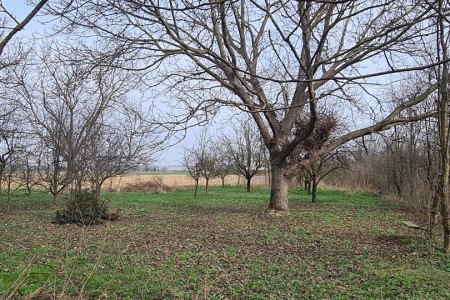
x=173 y=181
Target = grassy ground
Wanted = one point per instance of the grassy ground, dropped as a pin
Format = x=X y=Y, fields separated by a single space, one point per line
x=222 y=246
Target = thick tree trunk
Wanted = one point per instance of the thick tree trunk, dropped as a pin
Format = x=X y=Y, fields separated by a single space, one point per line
x=223 y=181
x=444 y=133
x=279 y=190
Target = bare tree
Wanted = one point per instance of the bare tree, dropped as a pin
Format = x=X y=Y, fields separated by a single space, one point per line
x=10 y=175
x=200 y=161
x=275 y=60
x=246 y=149
x=65 y=102
x=51 y=167
x=191 y=162
x=7 y=147
x=326 y=126
x=122 y=142
x=13 y=148
x=223 y=160
x=320 y=169
x=28 y=175
x=208 y=167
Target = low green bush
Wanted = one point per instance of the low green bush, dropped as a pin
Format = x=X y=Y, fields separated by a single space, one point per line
x=84 y=207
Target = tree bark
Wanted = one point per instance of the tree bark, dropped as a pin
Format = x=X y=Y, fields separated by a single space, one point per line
x=443 y=190
x=309 y=187
x=279 y=189
x=206 y=185
x=196 y=188
x=249 y=179
x=314 y=188
x=2 y=169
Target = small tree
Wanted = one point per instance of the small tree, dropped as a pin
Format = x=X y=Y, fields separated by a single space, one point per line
x=122 y=141
x=223 y=161
x=51 y=168
x=246 y=150
x=12 y=181
x=322 y=168
x=208 y=167
x=192 y=164
x=28 y=172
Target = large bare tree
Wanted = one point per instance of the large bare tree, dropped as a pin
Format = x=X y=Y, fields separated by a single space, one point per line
x=76 y=109
x=274 y=59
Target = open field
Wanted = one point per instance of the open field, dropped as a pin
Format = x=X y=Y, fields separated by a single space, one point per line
x=170 y=180
x=222 y=246
x=175 y=180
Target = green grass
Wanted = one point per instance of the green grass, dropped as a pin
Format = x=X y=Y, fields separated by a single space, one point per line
x=222 y=246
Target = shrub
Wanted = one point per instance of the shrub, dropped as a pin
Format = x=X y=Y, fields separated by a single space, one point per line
x=85 y=208
x=153 y=185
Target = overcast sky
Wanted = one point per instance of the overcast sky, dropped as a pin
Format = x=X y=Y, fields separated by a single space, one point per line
x=170 y=156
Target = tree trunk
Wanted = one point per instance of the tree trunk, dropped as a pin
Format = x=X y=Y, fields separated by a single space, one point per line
x=434 y=212
x=196 y=188
x=2 y=170
x=206 y=185
x=446 y=225
x=443 y=189
x=397 y=183
x=223 y=181
x=314 y=188
x=279 y=189
x=55 y=198
x=98 y=189
x=249 y=179
x=119 y=184
x=8 y=193
x=309 y=186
